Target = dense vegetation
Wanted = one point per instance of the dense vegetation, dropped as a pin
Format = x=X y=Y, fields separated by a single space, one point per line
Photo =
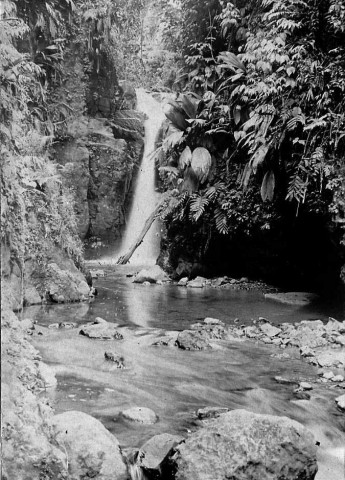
x=36 y=208
x=259 y=140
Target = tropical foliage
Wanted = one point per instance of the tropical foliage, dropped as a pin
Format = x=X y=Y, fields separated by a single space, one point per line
x=36 y=210
x=263 y=95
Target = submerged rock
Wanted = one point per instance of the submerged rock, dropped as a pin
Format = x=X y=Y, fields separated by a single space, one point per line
x=211 y=412
x=142 y=415
x=241 y=445
x=93 y=452
x=292 y=298
x=104 y=331
x=116 y=358
x=151 y=275
x=285 y=381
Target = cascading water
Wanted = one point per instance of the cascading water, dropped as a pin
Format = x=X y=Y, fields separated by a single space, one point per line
x=145 y=195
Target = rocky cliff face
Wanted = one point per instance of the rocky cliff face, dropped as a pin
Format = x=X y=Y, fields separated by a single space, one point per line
x=101 y=142
x=99 y=169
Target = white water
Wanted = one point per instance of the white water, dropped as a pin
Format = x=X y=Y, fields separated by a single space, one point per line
x=145 y=197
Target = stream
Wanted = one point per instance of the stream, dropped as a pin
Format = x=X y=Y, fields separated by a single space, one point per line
x=175 y=383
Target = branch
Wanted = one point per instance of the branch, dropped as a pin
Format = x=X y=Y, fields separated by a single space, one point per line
x=149 y=221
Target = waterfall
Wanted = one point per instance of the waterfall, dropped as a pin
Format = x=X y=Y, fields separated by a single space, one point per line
x=145 y=196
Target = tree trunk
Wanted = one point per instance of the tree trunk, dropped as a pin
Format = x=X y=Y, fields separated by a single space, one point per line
x=125 y=258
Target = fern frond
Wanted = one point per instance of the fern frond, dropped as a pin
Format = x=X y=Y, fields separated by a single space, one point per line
x=221 y=221
x=197 y=207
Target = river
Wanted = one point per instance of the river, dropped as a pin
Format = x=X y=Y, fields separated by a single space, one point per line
x=175 y=383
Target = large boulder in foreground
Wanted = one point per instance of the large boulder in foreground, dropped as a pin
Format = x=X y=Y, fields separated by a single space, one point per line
x=152 y=275
x=93 y=452
x=241 y=445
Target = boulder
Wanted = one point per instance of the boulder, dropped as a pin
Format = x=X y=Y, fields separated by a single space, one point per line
x=27 y=325
x=116 y=358
x=93 y=452
x=240 y=445
x=192 y=340
x=154 y=451
x=331 y=358
x=151 y=275
x=104 y=331
x=340 y=401
x=211 y=412
x=306 y=351
x=31 y=296
x=183 y=282
x=306 y=386
x=340 y=340
x=63 y=281
x=270 y=330
x=285 y=381
x=292 y=298
x=141 y=415
x=198 y=282
x=213 y=321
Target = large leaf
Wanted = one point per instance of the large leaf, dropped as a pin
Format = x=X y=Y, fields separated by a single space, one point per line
x=190 y=106
x=201 y=163
x=185 y=158
x=246 y=175
x=230 y=60
x=172 y=140
x=258 y=157
x=177 y=118
x=268 y=185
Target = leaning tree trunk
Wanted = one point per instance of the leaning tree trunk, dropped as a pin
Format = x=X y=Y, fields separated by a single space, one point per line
x=161 y=206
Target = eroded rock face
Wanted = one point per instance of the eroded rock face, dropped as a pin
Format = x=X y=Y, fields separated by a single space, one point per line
x=241 y=445
x=93 y=452
x=98 y=166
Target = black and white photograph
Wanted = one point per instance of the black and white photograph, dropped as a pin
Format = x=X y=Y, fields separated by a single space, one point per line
x=172 y=239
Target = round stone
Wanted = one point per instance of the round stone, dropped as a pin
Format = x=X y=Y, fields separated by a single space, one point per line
x=142 y=415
